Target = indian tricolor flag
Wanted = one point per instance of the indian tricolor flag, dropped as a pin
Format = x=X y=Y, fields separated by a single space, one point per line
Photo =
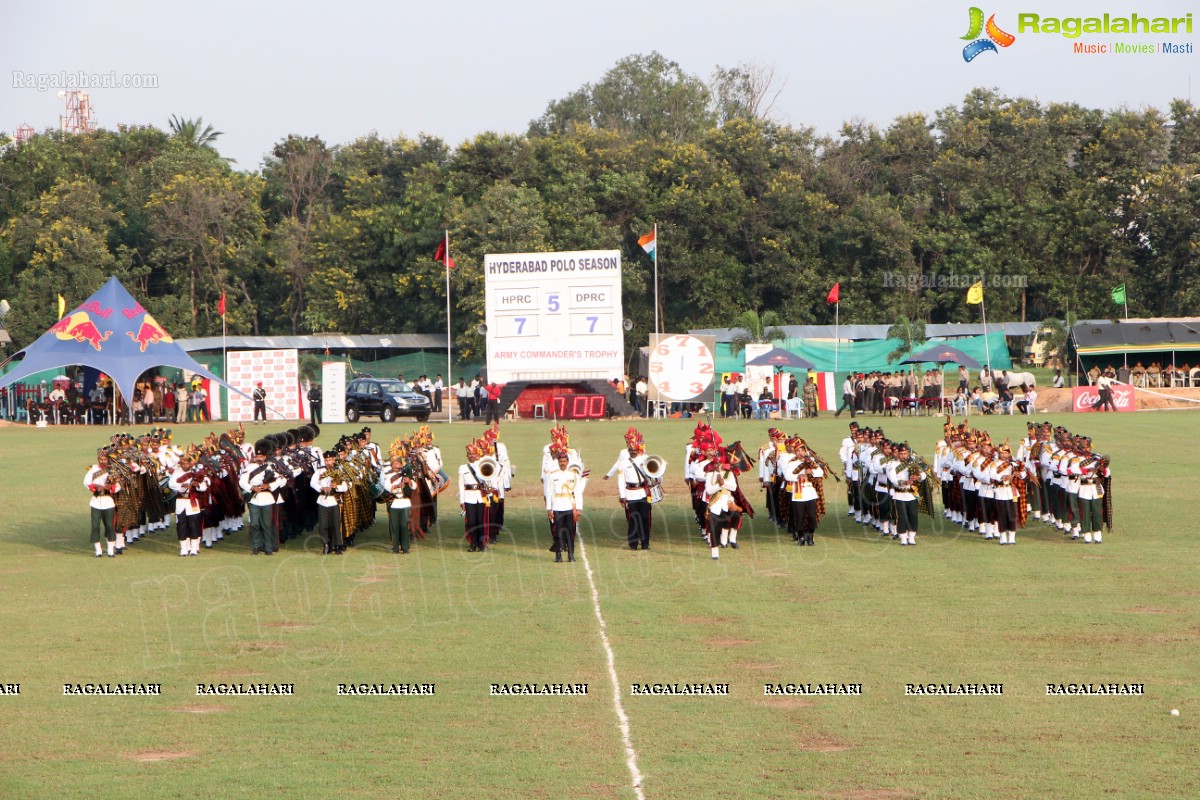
x=826 y=391
x=648 y=242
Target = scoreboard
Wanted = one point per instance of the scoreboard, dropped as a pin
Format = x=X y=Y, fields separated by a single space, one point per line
x=554 y=316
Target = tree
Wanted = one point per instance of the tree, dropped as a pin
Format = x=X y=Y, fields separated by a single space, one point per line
x=910 y=332
x=190 y=133
x=756 y=328
x=208 y=232
x=746 y=91
x=62 y=242
x=643 y=97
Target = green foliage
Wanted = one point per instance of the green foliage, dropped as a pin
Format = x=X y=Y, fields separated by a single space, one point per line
x=1051 y=204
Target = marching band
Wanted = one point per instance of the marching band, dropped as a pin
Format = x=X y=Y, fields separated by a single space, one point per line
x=283 y=486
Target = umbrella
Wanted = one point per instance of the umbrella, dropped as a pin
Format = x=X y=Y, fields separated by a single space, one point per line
x=942 y=354
x=778 y=357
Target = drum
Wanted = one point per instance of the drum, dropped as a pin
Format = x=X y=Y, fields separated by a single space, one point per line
x=654 y=491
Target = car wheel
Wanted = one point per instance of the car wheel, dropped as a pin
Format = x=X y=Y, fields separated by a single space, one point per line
x=423 y=418
x=387 y=414
x=351 y=414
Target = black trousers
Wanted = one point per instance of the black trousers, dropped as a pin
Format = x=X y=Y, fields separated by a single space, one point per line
x=564 y=533
x=260 y=408
x=476 y=525
x=906 y=516
x=1006 y=515
x=187 y=526
x=804 y=518
x=970 y=505
x=464 y=408
x=637 y=518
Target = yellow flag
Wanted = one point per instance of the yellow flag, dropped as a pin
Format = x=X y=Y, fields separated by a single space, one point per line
x=62 y=306
x=975 y=294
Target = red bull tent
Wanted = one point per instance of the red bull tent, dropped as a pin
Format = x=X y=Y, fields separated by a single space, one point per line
x=111 y=332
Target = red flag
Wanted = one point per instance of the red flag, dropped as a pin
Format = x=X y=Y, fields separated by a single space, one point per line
x=441 y=256
x=833 y=293
x=221 y=305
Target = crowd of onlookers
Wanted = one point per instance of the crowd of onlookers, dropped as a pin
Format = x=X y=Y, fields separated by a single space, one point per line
x=1145 y=377
x=155 y=400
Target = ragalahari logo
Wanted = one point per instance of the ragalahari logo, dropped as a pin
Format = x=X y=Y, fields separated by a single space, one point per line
x=995 y=36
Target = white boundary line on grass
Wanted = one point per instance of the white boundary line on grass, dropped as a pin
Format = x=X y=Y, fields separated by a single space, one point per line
x=630 y=753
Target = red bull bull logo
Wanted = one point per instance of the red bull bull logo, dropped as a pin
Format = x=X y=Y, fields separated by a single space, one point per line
x=150 y=332
x=79 y=326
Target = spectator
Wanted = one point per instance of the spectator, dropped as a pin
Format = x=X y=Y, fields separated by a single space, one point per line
x=1028 y=402
x=964 y=380
x=200 y=402
x=1057 y=383
x=148 y=403
x=491 y=399
x=168 y=402
x=464 y=394
x=439 y=386
x=977 y=399
x=728 y=396
x=960 y=400
x=182 y=407
x=1005 y=397
x=477 y=395
x=641 y=391
x=314 y=403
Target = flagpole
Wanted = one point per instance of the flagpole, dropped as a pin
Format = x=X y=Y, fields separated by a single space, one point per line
x=837 y=336
x=224 y=362
x=657 y=328
x=986 y=345
x=1126 y=304
x=449 y=363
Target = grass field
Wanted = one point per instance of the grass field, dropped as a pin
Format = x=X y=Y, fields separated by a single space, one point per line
x=853 y=609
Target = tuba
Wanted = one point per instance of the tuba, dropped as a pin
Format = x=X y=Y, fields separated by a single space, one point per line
x=487 y=467
x=652 y=473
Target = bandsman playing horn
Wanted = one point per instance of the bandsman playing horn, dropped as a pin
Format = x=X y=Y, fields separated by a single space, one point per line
x=634 y=479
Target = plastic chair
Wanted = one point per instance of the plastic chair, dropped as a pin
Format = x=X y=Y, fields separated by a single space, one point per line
x=539 y=411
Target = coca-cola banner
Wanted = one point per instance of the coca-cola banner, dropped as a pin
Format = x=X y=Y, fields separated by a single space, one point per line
x=1086 y=398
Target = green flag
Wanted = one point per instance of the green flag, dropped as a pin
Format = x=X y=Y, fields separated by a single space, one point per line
x=1118 y=295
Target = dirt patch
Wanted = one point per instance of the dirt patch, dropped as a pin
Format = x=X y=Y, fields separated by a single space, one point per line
x=289 y=626
x=153 y=756
x=699 y=620
x=371 y=579
x=200 y=709
x=785 y=702
x=773 y=574
x=1151 y=610
x=262 y=645
x=873 y=794
x=823 y=744
x=728 y=642
x=231 y=673
x=750 y=665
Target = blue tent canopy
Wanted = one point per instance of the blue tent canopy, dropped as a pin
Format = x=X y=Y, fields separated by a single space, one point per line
x=111 y=332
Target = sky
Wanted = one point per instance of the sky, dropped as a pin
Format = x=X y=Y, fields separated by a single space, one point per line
x=258 y=71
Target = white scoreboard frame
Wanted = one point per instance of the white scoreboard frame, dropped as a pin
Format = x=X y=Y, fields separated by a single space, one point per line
x=554 y=316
